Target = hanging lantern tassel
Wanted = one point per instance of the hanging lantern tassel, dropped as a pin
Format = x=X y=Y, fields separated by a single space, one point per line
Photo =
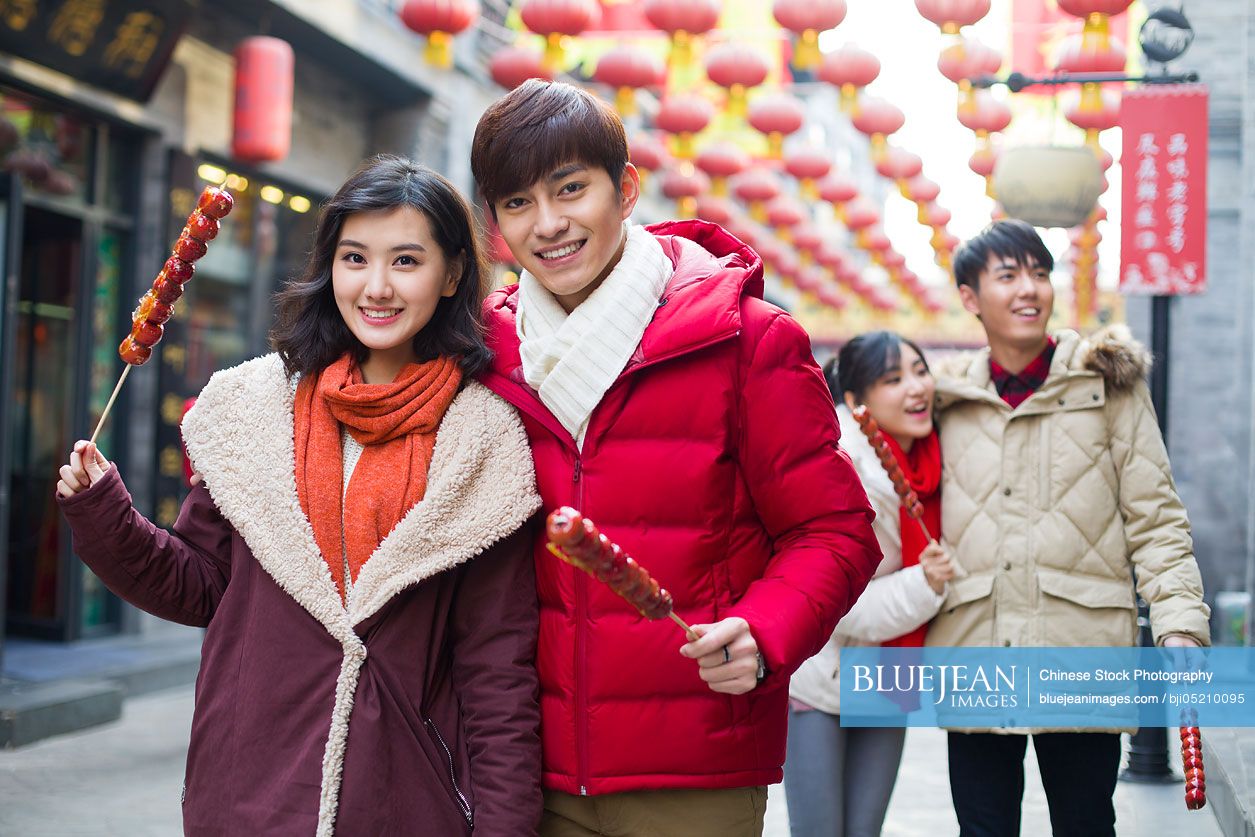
x=681 y=50
x=806 y=56
x=686 y=207
x=625 y=101
x=1096 y=33
x=775 y=145
x=684 y=145
x=554 y=53
x=737 y=105
x=439 y=50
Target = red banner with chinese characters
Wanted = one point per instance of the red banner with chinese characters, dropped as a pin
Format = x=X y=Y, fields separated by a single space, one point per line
x=1163 y=231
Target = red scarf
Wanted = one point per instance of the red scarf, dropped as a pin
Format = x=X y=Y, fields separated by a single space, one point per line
x=922 y=467
x=396 y=423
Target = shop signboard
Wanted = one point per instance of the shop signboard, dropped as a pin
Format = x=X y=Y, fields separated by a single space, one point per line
x=118 y=45
x=1163 y=230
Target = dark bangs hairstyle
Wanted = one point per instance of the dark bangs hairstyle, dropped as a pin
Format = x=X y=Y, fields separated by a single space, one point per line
x=1011 y=239
x=539 y=126
x=310 y=334
x=863 y=361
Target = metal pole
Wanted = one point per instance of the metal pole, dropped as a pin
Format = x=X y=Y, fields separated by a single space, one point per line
x=1148 y=748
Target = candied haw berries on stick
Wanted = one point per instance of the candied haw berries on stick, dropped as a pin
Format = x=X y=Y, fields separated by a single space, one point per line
x=155 y=306
x=1192 y=760
x=576 y=540
x=910 y=500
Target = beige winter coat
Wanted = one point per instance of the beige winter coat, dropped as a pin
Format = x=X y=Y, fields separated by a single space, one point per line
x=1051 y=506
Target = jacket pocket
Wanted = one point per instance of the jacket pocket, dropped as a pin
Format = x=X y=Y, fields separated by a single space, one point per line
x=966 y=590
x=459 y=797
x=1085 y=610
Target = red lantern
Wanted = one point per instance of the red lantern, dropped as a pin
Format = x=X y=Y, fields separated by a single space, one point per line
x=809 y=279
x=873 y=240
x=860 y=214
x=1087 y=55
x=746 y=232
x=894 y=261
x=831 y=256
x=921 y=190
x=683 y=116
x=936 y=216
x=899 y=165
x=683 y=185
x=788 y=265
x=627 y=68
x=776 y=115
x=755 y=188
x=951 y=15
x=512 y=66
x=555 y=18
x=1085 y=8
x=721 y=161
x=264 y=78
x=806 y=19
x=439 y=21
x=737 y=68
x=985 y=115
x=647 y=154
x=715 y=210
x=783 y=214
x=682 y=19
x=968 y=59
x=878 y=119
x=837 y=190
x=983 y=161
x=807 y=240
x=849 y=69
x=1094 y=113
x=808 y=165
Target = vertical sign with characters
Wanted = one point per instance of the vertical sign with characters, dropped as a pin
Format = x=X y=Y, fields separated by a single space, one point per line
x=1164 y=231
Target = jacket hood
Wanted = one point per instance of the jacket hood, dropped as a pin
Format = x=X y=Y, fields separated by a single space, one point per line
x=713 y=270
x=480 y=488
x=1112 y=353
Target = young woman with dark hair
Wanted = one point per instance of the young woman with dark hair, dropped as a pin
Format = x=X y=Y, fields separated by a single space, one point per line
x=357 y=548
x=838 y=780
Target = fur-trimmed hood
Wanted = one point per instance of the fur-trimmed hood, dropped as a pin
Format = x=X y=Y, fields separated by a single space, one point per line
x=480 y=488
x=1110 y=356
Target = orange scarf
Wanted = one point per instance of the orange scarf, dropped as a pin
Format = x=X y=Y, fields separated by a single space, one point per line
x=396 y=423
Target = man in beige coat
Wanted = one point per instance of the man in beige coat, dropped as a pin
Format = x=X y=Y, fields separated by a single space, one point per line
x=1056 y=494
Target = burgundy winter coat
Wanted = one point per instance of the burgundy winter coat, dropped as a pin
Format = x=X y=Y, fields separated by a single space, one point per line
x=410 y=712
x=713 y=460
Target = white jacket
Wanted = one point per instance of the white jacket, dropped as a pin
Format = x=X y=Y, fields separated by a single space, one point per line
x=896 y=600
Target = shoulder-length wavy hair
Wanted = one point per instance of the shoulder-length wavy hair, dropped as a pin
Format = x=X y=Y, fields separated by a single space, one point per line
x=310 y=333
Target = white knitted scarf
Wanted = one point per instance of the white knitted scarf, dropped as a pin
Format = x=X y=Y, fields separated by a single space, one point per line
x=572 y=359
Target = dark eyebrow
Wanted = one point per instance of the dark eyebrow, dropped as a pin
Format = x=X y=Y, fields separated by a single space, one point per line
x=348 y=242
x=565 y=171
x=1007 y=265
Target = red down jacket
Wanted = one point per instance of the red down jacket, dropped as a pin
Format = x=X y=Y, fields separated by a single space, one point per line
x=713 y=459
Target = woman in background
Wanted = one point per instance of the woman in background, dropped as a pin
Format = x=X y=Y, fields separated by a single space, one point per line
x=838 y=780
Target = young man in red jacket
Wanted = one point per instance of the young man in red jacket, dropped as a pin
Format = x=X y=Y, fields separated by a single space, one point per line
x=669 y=403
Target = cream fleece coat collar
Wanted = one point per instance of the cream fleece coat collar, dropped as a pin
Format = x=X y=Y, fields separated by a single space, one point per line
x=572 y=359
x=480 y=488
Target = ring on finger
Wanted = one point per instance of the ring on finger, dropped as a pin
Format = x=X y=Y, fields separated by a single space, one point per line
x=727 y=655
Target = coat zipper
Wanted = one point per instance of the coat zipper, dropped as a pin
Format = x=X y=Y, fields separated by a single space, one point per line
x=462 y=803
x=581 y=651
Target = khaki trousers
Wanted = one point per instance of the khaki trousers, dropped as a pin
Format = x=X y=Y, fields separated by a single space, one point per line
x=732 y=812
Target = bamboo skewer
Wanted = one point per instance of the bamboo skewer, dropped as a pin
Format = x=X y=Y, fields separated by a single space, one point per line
x=109 y=406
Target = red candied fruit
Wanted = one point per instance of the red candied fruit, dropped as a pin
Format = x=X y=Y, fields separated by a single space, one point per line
x=178 y=270
x=215 y=202
x=133 y=353
x=189 y=249
x=146 y=333
x=201 y=227
x=167 y=290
